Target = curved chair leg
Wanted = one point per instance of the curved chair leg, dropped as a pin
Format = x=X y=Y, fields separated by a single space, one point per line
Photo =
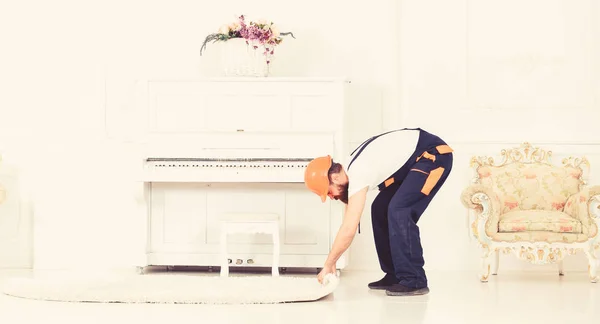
x=561 y=268
x=484 y=275
x=496 y=262
x=594 y=264
x=594 y=277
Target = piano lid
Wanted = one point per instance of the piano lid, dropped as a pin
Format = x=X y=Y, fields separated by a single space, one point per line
x=240 y=131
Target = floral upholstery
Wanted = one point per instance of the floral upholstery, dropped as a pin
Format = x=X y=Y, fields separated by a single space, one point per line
x=531 y=186
x=538 y=220
x=528 y=205
x=532 y=197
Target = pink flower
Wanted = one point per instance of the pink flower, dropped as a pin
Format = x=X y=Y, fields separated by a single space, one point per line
x=256 y=34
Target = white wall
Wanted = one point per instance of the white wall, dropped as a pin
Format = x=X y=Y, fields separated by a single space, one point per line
x=486 y=75
x=71 y=71
x=467 y=70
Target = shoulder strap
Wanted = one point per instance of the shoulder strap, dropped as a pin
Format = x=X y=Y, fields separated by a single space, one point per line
x=362 y=146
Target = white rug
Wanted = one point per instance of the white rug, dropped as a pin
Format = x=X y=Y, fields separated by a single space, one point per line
x=173 y=289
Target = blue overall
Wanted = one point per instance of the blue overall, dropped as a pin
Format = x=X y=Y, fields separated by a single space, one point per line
x=402 y=199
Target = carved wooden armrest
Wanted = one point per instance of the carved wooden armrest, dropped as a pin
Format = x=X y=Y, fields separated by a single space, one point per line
x=486 y=204
x=594 y=213
x=584 y=207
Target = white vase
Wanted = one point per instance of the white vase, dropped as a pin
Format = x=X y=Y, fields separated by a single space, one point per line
x=241 y=59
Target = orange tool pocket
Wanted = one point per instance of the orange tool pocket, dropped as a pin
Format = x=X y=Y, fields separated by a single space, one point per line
x=427 y=156
x=432 y=179
x=389 y=182
x=444 y=149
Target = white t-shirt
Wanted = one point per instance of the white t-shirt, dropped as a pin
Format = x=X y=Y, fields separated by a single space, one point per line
x=380 y=159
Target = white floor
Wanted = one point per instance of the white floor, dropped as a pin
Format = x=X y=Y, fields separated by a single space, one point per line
x=454 y=298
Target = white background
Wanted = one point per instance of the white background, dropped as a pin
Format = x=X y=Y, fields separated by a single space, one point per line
x=482 y=74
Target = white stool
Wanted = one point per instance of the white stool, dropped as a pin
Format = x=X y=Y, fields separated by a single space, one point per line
x=251 y=224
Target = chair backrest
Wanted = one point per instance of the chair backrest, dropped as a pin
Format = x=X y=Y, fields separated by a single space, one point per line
x=526 y=179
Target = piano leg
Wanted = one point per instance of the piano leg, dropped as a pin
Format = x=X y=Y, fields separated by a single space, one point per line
x=224 y=259
x=276 y=252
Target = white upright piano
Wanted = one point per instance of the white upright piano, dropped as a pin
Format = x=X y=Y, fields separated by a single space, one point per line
x=239 y=145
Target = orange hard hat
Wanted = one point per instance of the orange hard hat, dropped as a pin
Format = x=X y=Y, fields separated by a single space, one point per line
x=316 y=178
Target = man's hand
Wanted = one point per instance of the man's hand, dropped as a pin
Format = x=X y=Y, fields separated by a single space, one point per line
x=326 y=270
x=346 y=232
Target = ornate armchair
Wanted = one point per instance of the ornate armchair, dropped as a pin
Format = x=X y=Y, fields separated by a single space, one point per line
x=540 y=212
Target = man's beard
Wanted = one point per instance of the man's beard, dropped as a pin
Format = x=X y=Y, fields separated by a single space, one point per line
x=343 y=196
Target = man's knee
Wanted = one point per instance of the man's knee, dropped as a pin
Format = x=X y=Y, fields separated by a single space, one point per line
x=400 y=211
x=405 y=212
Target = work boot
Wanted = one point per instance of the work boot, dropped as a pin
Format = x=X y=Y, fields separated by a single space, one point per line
x=400 y=290
x=386 y=282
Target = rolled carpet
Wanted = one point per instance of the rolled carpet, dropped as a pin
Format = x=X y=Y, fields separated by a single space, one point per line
x=173 y=289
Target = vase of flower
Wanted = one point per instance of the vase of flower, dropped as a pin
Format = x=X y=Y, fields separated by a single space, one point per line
x=247 y=48
x=240 y=58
